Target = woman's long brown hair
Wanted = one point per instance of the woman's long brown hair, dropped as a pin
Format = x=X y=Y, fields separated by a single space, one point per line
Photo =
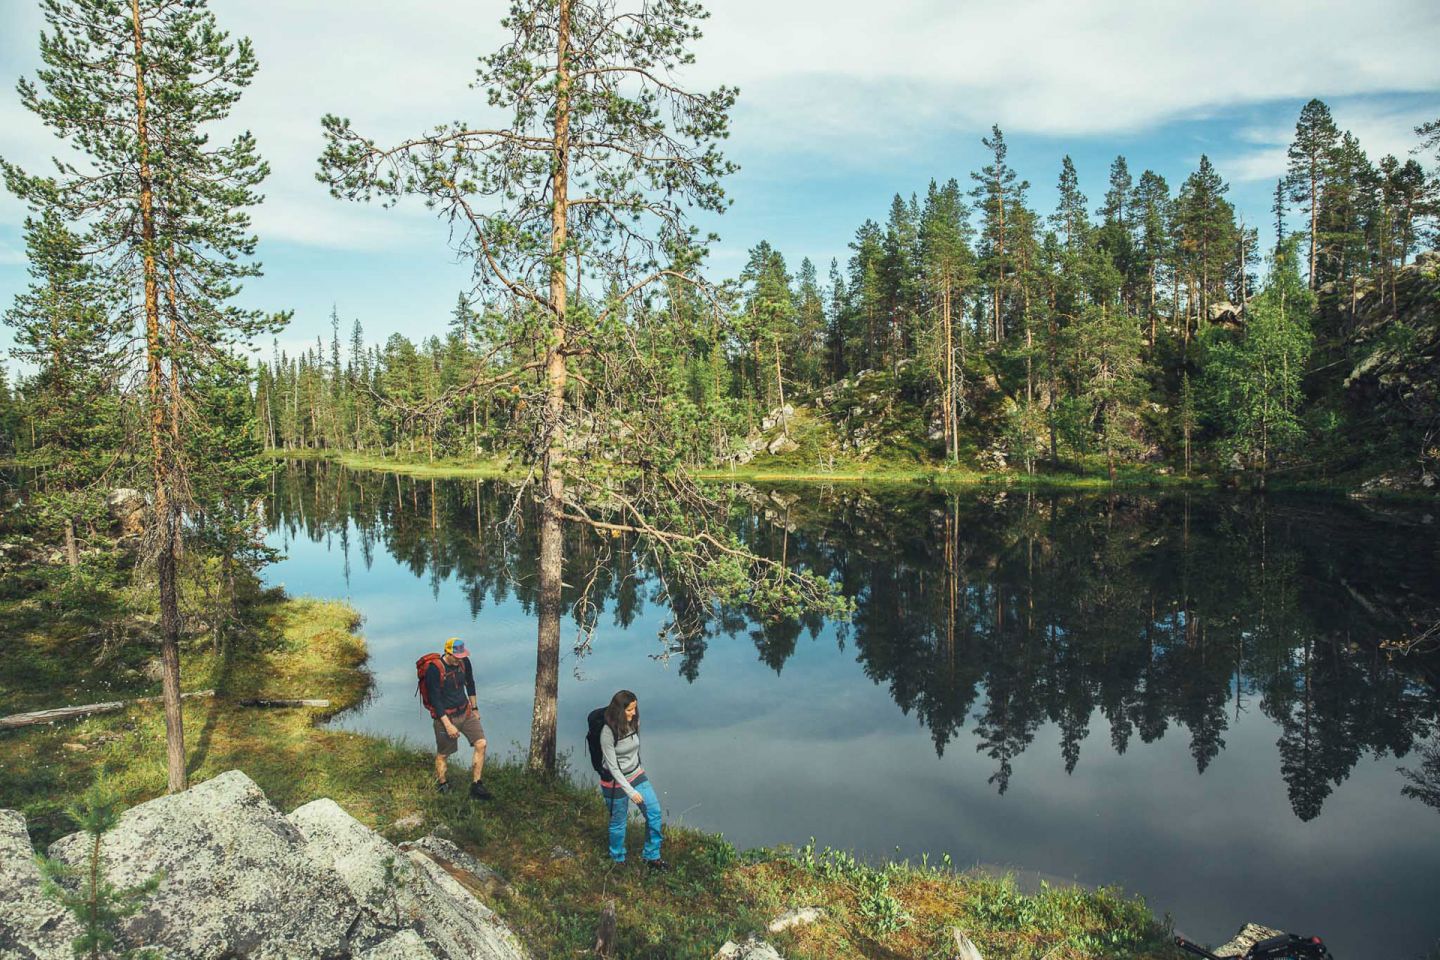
x=615 y=715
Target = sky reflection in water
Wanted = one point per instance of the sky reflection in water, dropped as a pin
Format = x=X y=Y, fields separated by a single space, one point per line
x=1047 y=684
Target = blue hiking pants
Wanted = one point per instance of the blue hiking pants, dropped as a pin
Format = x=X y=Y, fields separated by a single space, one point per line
x=619 y=803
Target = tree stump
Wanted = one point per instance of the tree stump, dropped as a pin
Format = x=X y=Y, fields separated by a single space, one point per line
x=605 y=936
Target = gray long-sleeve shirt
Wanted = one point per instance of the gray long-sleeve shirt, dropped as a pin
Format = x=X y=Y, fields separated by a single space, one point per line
x=622 y=758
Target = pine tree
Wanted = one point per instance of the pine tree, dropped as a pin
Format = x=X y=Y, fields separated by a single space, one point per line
x=599 y=159
x=866 y=305
x=1347 y=205
x=997 y=187
x=9 y=416
x=1072 y=216
x=900 y=278
x=1311 y=155
x=1151 y=206
x=948 y=267
x=136 y=87
x=836 y=319
x=1205 y=230
x=810 y=325
x=97 y=904
x=1116 y=237
x=770 y=321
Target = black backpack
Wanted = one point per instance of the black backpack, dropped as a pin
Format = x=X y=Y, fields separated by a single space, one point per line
x=593 y=723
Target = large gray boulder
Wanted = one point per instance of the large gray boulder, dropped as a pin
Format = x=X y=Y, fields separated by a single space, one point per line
x=238 y=879
x=751 y=948
x=398 y=888
x=405 y=945
x=1249 y=935
x=32 y=926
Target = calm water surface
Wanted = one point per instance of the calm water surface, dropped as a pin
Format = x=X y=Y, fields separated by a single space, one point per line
x=1185 y=696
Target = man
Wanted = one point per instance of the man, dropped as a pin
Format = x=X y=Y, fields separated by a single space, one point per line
x=450 y=695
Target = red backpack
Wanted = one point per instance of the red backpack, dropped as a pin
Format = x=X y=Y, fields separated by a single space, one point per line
x=421 y=666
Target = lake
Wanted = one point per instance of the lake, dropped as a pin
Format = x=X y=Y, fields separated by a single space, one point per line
x=1188 y=696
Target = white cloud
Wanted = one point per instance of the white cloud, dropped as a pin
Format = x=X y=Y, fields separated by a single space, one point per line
x=1381 y=127
x=844 y=79
x=817 y=68
x=392 y=71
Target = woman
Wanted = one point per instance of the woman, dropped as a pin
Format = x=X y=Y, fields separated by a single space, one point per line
x=620 y=745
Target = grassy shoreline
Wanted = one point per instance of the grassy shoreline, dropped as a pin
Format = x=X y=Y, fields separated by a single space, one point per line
x=937 y=477
x=854 y=473
x=544 y=836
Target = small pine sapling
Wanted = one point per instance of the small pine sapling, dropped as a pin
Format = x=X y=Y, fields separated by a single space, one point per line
x=96 y=903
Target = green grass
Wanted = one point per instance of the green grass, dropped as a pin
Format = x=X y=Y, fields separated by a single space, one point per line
x=445 y=467
x=873 y=472
x=308 y=648
x=794 y=468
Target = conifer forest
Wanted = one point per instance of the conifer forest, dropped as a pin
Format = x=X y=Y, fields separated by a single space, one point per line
x=1049 y=446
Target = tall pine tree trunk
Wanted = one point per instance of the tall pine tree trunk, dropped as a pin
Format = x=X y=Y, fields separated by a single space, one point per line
x=552 y=558
x=948 y=421
x=1314 y=215
x=780 y=386
x=164 y=508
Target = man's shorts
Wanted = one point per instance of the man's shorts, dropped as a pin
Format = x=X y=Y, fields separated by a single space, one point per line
x=469 y=726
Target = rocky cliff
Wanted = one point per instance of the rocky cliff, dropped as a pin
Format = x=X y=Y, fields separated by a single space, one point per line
x=242 y=880
x=1392 y=345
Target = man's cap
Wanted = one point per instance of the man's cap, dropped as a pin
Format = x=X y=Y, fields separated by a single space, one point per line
x=456 y=648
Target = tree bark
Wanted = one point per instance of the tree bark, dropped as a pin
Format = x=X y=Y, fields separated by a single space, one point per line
x=164 y=508
x=780 y=387
x=552 y=559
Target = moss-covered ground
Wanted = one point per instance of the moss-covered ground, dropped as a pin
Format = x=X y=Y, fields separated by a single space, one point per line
x=545 y=836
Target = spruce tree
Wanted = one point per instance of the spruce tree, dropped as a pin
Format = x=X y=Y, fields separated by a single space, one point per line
x=68 y=326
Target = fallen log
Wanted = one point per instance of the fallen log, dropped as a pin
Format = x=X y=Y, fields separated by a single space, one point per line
x=283 y=703
x=18 y=720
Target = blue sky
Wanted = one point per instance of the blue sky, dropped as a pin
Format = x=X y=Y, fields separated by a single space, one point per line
x=843 y=104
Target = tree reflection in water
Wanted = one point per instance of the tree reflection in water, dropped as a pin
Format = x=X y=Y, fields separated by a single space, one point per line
x=1002 y=611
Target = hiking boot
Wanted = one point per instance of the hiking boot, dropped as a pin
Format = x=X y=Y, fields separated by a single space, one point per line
x=478 y=791
x=442 y=786
x=657 y=865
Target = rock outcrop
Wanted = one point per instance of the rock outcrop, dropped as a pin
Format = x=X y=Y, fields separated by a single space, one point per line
x=240 y=879
x=32 y=926
x=1249 y=935
x=126 y=508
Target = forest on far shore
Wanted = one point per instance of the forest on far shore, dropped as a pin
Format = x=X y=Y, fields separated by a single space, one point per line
x=1159 y=329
